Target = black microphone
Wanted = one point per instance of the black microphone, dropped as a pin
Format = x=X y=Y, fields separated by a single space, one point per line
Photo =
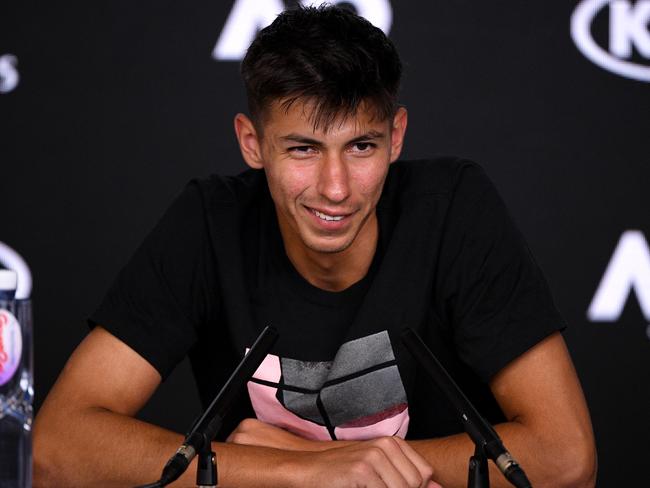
x=481 y=432
x=206 y=427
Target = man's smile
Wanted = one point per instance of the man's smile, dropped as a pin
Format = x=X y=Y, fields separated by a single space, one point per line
x=329 y=219
x=324 y=216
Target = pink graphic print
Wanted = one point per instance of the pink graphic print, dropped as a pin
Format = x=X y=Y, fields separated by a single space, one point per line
x=357 y=396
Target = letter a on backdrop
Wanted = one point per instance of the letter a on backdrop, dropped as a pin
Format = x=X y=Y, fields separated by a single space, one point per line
x=247 y=17
x=629 y=269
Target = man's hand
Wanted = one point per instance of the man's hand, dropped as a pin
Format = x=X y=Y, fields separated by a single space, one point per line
x=383 y=462
x=386 y=462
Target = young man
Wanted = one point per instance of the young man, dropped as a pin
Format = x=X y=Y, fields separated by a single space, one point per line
x=339 y=247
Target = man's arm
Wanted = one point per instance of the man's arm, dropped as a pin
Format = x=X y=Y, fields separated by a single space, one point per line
x=548 y=430
x=87 y=416
x=84 y=435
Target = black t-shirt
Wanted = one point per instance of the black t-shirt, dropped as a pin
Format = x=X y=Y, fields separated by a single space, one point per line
x=449 y=263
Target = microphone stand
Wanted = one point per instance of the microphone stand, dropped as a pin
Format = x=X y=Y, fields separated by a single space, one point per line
x=486 y=441
x=207 y=425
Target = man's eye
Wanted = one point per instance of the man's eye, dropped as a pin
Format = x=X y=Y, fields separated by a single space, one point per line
x=363 y=147
x=301 y=150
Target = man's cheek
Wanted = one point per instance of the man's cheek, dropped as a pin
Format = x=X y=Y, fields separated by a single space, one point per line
x=370 y=178
x=297 y=185
x=370 y=191
x=284 y=186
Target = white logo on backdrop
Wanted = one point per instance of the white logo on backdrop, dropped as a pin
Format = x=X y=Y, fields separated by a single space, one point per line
x=628 y=28
x=10 y=259
x=8 y=73
x=627 y=271
x=247 y=17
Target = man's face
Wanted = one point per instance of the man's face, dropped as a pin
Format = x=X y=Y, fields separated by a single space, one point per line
x=326 y=184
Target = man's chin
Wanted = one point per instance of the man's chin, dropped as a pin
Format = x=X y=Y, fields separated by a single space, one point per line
x=327 y=247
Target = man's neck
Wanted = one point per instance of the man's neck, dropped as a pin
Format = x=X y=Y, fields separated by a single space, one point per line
x=335 y=271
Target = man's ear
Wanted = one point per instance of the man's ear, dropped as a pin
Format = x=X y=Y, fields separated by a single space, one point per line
x=249 y=142
x=397 y=133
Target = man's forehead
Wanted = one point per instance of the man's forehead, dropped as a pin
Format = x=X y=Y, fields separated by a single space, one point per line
x=303 y=116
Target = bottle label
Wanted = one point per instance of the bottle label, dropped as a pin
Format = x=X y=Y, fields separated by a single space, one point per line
x=11 y=346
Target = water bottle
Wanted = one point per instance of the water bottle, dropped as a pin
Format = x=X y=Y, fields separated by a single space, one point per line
x=16 y=386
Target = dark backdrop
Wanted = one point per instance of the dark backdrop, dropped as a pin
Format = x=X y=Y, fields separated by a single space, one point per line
x=108 y=108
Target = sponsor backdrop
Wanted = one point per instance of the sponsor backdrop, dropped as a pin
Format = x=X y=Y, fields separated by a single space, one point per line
x=109 y=108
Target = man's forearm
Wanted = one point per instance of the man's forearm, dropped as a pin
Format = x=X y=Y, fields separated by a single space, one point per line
x=101 y=448
x=545 y=464
x=549 y=460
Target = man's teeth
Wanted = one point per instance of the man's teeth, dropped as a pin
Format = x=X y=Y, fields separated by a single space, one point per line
x=323 y=216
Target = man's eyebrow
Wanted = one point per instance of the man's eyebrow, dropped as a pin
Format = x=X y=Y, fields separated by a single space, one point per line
x=301 y=139
x=368 y=136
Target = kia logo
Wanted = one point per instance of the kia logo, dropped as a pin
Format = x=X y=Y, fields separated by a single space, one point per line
x=628 y=28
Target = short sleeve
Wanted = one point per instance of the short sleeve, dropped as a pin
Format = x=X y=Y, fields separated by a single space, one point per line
x=494 y=294
x=166 y=292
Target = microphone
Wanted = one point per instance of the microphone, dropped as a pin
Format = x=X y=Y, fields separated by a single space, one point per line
x=206 y=427
x=485 y=438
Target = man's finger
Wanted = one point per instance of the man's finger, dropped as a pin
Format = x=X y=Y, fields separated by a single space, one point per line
x=413 y=475
x=390 y=466
x=424 y=468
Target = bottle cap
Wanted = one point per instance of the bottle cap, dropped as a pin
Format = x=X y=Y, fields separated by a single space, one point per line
x=8 y=279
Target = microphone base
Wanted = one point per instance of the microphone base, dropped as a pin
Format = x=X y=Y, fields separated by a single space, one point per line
x=206 y=469
x=479 y=474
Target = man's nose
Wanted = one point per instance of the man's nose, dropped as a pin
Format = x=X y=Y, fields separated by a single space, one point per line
x=333 y=180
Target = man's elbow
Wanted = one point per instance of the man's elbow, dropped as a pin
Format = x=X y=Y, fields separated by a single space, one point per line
x=48 y=469
x=41 y=457
x=577 y=466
